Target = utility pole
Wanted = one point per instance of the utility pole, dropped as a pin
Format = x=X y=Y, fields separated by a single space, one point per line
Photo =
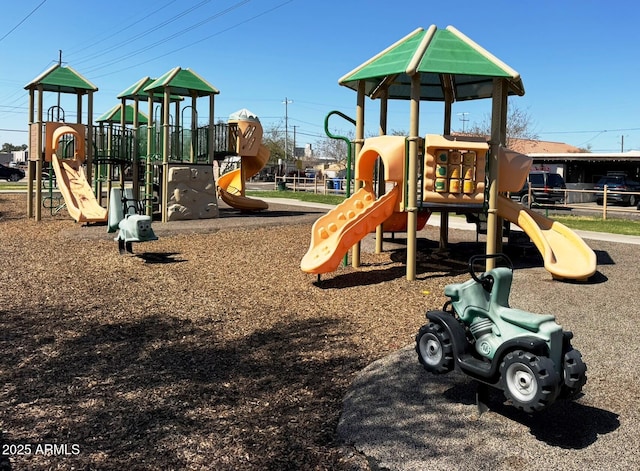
x=60 y=65
x=294 y=141
x=464 y=120
x=286 y=126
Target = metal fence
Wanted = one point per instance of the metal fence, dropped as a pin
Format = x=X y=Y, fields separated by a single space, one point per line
x=576 y=198
x=318 y=185
x=585 y=200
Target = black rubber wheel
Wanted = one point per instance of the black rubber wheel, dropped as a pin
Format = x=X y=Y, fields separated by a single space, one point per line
x=574 y=374
x=434 y=348
x=14 y=177
x=632 y=200
x=529 y=381
x=524 y=201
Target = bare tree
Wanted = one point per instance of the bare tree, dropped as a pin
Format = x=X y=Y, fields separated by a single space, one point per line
x=273 y=138
x=333 y=149
x=519 y=126
x=336 y=149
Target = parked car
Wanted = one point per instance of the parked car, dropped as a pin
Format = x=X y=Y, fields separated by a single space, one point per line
x=546 y=188
x=618 y=188
x=11 y=174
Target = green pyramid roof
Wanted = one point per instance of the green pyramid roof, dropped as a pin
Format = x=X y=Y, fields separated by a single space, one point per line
x=183 y=82
x=114 y=115
x=446 y=59
x=58 y=78
x=137 y=91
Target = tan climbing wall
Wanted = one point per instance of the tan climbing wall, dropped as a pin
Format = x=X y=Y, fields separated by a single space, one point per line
x=191 y=193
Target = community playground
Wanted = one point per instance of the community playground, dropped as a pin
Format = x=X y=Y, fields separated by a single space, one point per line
x=400 y=180
x=215 y=346
x=210 y=348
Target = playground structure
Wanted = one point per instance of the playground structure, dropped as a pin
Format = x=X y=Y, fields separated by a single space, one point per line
x=457 y=174
x=164 y=159
x=453 y=175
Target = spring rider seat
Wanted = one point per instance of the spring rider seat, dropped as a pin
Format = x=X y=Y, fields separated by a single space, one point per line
x=132 y=227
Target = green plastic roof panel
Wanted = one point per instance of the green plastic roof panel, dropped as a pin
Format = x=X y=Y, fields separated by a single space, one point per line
x=393 y=60
x=114 y=115
x=58 y=78
x=137 y=90
x=445 y=59
x=183 y=82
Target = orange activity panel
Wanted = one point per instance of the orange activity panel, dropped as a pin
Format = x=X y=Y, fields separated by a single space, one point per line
x=454 y=170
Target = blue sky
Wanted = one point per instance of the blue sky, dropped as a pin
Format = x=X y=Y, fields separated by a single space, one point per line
x=578 y=60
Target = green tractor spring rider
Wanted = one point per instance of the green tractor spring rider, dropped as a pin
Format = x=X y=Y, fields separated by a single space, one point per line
x=528 y=356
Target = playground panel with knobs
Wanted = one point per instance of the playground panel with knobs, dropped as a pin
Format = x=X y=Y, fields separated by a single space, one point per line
x=454 y=170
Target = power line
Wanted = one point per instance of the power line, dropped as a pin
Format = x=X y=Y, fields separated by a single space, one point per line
x=137 y=37
x=201 y=40
x=592 y=131
x=23 y=19
x=14 y=130
x=116 y=33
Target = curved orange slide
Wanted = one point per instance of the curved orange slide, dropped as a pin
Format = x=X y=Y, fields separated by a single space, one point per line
x=231 y=184
x=565 y=254
x=333 y=234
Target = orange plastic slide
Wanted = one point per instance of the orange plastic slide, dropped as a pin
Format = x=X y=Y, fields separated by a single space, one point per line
x=81 y=203
x=565 y=254
x=333 y=234
x=231 y=184
x=337 y=231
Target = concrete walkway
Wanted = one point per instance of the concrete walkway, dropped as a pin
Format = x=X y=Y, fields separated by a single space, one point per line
x=461 y=223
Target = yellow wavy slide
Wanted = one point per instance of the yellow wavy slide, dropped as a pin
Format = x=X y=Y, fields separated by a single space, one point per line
x=337 y=231
x=565 y=254
x=333 y=234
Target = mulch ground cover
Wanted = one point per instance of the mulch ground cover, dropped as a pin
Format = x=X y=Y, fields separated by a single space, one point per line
x=210 y=349
x=206 y=349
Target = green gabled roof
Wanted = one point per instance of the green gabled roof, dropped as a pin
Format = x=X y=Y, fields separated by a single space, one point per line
x=446 y=60
x=137 y=90
x=114 y=115
x=183 y=82
x=58 y=78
